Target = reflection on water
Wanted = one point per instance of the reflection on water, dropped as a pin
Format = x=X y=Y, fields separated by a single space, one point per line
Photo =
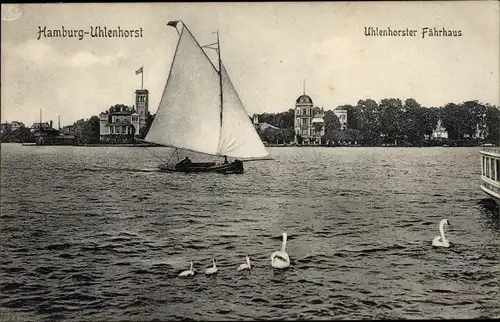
x=99 y=234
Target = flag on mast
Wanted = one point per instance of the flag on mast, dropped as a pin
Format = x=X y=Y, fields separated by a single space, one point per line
x=173 y=23
x=139 y=71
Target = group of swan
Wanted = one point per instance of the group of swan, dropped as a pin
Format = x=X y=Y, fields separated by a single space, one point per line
x=214 y=269
x=279 y=260
x=208 y=271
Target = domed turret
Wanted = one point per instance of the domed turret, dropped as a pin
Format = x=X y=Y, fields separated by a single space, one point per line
x=304 y=99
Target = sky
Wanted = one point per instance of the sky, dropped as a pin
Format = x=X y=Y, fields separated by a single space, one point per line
x=270 y=50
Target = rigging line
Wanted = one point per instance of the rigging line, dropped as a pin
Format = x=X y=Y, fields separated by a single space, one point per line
x=220 y=79
x=196 y=41
x=159 y=158
x=209 y=46
x=172 y=155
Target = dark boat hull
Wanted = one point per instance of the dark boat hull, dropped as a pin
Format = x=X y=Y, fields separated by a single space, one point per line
x=228 y=168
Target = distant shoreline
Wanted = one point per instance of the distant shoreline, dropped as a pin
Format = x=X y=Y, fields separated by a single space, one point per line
x=91 y=144
x=118 y=145
x=266 y=145
x=380 y=146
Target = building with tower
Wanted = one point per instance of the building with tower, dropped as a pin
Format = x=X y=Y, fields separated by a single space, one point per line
x=309 y=124
x=120 y=123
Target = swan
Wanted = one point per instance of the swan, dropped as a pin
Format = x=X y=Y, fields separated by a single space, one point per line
x=245 y=266
x=190 y=272
x=211 y=270
x=441 y=241
x=280 y=258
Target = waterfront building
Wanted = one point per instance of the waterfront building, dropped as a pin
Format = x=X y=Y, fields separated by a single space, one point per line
x=439 y=132
x=121 y=123
x=342 y=116
x=309 y=121
x=15 y=125
x=118 y=124
x=12 y=126
x=45 y=134
x=54 y=137
x=481 y=131
x=68 y=130
x=40 y=127
x=255 y=120
x=261 y=127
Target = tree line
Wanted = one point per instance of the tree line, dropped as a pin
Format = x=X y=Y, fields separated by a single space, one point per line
x=85 y=131
x=391 y=121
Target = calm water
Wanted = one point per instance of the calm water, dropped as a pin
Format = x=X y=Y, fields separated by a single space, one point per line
x=97 y=234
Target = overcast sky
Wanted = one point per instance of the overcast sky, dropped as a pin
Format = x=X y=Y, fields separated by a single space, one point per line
x=268 y=49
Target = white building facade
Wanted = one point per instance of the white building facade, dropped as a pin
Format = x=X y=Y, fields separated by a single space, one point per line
x=121 y=123
x=439 y=132
x=342 y=116
x=118 y=123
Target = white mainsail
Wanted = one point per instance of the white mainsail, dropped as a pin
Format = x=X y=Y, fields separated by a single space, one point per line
x=189 y=113
x=238 y=136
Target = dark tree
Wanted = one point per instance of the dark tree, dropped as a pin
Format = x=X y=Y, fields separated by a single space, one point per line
x=87 y=131
x=458 y=121
x=332 y=124
x=369 y=124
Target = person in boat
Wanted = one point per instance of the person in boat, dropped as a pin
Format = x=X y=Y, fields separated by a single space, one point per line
x=185 y=161
x=225 y=160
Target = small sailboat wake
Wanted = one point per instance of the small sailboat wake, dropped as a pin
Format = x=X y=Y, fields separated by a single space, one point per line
x=200 y=111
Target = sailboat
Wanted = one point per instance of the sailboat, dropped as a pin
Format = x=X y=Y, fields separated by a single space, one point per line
x=201 y=111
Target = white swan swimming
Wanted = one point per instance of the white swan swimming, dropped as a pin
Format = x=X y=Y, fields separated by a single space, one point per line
x=190 y=272
x=441 y=241
x=245 y=266
x=211 y=270
x=280 y=258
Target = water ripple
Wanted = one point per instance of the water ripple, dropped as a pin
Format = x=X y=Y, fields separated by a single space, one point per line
x=82 y=240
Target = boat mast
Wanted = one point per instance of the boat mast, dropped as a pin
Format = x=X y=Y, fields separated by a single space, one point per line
x=220 y=77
